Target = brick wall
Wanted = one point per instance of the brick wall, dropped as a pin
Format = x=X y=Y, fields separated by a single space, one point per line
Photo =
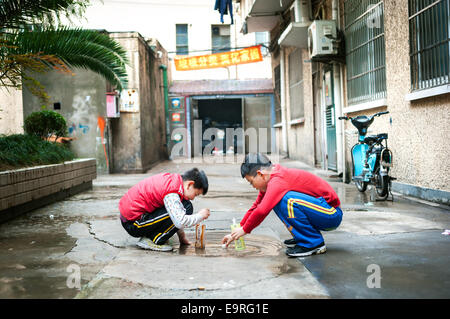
x=28 y=188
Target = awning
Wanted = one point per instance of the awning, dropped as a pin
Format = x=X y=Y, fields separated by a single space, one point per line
x=221 y=87
x=296 y=35
x=264 y=15
x=269 y=7
x=260 y=24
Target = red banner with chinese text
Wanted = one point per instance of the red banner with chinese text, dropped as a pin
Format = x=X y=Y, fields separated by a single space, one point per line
x=219 y=60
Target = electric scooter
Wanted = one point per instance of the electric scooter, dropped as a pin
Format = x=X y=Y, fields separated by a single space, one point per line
x=371 y=159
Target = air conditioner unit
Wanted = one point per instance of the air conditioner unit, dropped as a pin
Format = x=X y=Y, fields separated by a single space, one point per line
x=322 y=38
x=224 y=30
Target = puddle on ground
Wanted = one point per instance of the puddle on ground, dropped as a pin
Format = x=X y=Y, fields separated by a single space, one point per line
x=255 y=246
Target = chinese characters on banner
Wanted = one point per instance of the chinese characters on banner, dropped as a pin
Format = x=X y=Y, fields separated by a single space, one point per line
x=219 y=60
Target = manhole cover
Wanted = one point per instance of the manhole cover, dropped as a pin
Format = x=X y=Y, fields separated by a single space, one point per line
x=255 y=245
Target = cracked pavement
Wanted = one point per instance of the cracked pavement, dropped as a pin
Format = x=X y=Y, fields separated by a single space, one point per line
x=40 y=250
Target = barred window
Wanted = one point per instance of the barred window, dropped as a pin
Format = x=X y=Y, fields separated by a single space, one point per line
x=264 y=39
x=277 y=80
x=429 y=43
x=182 y=39
x=220 y=38
x=365 y=50
x=296 y=84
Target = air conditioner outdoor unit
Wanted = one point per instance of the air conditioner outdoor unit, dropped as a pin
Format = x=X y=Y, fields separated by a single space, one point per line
x=224 y=30
x=322 y=38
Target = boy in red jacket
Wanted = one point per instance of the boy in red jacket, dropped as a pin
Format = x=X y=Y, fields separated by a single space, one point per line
x=305 y=203
x=159 y=206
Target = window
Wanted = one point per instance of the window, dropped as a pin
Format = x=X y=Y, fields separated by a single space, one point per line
x=220 y=38
x=182 y=39
x=296 y=84
x=365 y=51
x=277 y=91
x=262 y=38
x=429 y=43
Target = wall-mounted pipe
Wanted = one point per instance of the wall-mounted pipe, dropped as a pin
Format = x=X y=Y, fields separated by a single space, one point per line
x=339 y=101
x=166 y=103
x=284 y=134
x=302 y=10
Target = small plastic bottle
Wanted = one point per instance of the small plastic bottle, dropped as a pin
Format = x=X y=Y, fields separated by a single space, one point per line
x=239 y=244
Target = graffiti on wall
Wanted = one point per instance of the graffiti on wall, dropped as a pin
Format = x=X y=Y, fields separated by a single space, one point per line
x=101 y=122
x=74 y=129
x=77 y=130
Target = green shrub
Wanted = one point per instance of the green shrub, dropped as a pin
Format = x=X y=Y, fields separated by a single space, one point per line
x=45 y=124
x=28 y=150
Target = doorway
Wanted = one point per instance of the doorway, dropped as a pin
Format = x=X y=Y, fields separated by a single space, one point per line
x=330 y=119
x=236 y=124
x=217 y=115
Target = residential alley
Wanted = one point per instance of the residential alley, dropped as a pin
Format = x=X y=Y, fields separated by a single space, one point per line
x=77 y=248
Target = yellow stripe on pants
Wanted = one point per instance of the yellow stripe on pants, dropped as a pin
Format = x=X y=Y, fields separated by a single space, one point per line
x=165 y=232
x=291 y=201
x=156 y=221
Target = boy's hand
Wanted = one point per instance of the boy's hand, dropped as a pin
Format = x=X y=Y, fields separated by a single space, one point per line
x=237 y=233
x=227 y=240
x=183 y=238
x=184 y=241
x=204 y=213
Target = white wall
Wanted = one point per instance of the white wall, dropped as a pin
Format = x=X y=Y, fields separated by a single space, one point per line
x=157 y=19
x=11 y=111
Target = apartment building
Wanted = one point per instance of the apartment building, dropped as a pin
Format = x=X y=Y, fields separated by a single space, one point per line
x=371 y=56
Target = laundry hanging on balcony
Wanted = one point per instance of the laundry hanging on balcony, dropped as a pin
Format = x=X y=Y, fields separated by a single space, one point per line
x=223 y=6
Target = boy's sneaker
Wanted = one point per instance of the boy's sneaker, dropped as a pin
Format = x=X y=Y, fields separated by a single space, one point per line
x=299 y=251
x=146 y=243
x=290 y=242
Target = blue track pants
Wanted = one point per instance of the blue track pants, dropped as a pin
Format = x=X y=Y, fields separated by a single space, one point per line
x=305 y=216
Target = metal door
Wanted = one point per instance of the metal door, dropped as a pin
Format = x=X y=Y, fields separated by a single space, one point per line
x=318 y=151
x=257 y=119
x=330 y=119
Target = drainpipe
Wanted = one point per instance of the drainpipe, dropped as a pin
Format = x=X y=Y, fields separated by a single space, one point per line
x=166 y=103
x=302 y=10
x=339 y=99
x=285 y=150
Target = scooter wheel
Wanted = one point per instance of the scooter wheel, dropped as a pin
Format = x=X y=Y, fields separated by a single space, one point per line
x=383 y=186
x=361 y=186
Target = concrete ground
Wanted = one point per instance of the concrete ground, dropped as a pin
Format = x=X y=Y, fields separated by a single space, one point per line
x=77 y=248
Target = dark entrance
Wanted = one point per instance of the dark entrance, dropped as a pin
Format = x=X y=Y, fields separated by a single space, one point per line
x=219 y=114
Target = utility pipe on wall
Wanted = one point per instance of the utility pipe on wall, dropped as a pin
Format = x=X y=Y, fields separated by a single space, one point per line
x=284 y=150
x=302 y=10
x=338 y=100
x=166 y=104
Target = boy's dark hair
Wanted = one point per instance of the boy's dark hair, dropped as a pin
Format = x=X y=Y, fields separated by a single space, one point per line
x=198 y=177
x=253 y=162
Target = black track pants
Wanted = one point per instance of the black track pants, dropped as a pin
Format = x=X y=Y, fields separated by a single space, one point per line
x=156 y=225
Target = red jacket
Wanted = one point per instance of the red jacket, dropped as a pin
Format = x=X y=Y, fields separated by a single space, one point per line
x=283 y=180
x=148 y=194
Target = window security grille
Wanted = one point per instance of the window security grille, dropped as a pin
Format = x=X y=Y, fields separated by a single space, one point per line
x=182 y=45
x=429 y=43
x=220 y=38
x=365 y=50
x=296 y=84
x=277 y=79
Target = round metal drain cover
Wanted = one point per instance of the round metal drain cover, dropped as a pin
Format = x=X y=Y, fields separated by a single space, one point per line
x=255 y=245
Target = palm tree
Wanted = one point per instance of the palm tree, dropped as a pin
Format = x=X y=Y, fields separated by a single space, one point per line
x=32 y=40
